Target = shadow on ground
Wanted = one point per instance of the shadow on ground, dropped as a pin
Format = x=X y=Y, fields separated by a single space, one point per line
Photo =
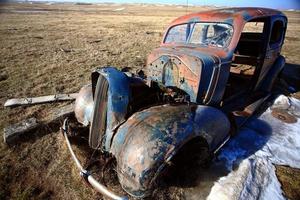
x=240 y=147
x=291 y=74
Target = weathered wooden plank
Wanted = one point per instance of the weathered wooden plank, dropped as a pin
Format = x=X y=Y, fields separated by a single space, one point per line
x=38 y=100
x=14 y=131
x=59 y=113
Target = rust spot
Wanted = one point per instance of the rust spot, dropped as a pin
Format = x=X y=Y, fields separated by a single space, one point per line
x=284 y=116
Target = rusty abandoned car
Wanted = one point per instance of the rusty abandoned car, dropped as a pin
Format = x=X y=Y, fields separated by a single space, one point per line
x=210 y=67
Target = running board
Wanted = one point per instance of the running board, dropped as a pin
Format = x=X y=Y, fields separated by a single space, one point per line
x=249 y=111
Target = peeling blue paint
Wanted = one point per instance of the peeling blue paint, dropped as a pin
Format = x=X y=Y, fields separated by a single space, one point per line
x=118 y=100
x=246 y=16
x=159 y=132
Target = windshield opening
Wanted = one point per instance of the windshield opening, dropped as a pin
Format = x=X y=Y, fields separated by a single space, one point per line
x=205 y=34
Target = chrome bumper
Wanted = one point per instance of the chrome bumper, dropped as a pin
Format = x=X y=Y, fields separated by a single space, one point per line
x=86 y=174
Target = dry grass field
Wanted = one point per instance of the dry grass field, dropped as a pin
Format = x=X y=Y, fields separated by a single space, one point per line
x=48 y=49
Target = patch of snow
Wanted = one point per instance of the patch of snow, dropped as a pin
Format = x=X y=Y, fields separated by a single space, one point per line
x=29 y=11
x=250 y=155
x=244 y=183
x=292 y=105
x=282 y=102
x=119 y=9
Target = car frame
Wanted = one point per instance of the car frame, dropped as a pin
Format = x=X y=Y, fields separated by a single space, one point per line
x=189 y=94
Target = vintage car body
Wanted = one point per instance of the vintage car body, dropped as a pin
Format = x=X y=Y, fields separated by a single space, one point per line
x=190 y=91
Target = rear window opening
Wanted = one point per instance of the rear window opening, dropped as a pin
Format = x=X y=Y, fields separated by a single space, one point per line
x=251 y=40
x=277 y=32
x=253 y=27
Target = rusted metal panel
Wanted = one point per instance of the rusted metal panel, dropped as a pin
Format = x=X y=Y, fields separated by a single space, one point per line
x=150 y=138
x=174 y=71
x=194 y=69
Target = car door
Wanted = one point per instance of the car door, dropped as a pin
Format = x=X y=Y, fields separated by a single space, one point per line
x=276 y=37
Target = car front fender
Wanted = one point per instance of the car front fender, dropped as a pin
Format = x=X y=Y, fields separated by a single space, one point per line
x=150 y=138
x=118 y=98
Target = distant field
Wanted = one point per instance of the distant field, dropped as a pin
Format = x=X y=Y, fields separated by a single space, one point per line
x=48 y=49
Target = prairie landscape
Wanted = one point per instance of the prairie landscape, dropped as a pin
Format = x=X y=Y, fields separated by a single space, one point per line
x=50 y=49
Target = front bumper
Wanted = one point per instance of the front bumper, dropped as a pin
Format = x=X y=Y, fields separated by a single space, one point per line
x=86 y=174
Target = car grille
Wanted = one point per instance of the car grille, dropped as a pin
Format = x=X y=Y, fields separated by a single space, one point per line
x=98 y=124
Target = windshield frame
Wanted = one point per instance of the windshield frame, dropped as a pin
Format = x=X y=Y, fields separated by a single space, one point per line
x=189 y=36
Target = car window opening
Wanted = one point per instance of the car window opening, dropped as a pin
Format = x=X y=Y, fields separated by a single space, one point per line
x=203 y=34
x=247 y=57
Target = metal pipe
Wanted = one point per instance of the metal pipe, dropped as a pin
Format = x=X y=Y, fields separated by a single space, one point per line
x=65 y=125
x=86 y=174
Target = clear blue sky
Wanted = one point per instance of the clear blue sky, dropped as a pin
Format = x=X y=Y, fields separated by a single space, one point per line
x=279 y=4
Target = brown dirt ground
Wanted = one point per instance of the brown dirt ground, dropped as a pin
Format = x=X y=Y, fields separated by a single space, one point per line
x=290 y=181
x=33 y=63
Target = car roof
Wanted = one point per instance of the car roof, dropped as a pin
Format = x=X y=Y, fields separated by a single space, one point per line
x=229 y=15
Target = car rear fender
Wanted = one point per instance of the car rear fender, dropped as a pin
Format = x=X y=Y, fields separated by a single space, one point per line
x=272 y=75
x=150 y=138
